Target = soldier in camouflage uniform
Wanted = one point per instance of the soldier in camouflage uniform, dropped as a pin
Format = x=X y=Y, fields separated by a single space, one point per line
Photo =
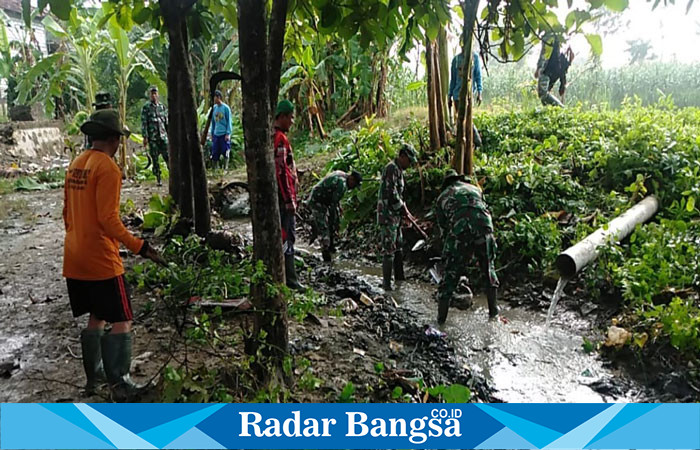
x=466 y=229
x=154 y=127
x=390 y=210
x=324 y=204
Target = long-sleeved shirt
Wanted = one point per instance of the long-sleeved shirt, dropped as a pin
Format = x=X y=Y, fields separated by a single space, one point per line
x=390 y=202
x=221 y=120
x=285 y=169
x=91 y=217
x=456 y=77
x=154 y=121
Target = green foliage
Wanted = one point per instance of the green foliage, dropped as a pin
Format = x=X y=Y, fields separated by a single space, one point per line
x=453 y=393
x=347 y=395
x=194 y=386
x=161 y=214
x=195 y=270
x=681 y=322
x=300 y=305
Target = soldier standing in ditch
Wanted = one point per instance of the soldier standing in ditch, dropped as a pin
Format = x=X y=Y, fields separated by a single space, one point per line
x=466 y=229
x=154 y=128
x=324 y=204
x=391 y=208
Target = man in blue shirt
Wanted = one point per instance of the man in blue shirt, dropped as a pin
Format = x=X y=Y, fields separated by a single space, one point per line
x=456 y=79
x=456 y=86
x=220 y=130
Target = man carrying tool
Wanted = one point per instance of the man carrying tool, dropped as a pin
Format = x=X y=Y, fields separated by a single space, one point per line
x=286 y=172
x=324 y=204
x=220 y=131
x=154 y=128
x=466 y=230
x=91 y=264
x=552 y=69
x=391 y=208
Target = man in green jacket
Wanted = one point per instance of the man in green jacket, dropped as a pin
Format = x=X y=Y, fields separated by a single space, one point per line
x=391 y=208
x=324 y=204
x=466 y=229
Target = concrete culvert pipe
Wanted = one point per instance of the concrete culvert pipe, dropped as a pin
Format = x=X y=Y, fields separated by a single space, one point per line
x=575 y=258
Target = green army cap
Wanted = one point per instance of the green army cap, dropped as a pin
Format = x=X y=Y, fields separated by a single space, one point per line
x=410 y=152
x=451 y=176
x=102 y=100
x=104 y=122
x=284 y=107
x=153 y=89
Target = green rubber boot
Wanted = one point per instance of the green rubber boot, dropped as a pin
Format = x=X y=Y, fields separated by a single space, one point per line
x=92 y=359
x=387 y=266
x=492 y=297
x=291 y=273
x=116 y=356
x=398 y=267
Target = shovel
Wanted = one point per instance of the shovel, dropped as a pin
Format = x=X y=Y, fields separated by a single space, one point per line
x=421 y=243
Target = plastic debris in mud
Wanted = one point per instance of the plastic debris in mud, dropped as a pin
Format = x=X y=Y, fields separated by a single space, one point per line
x=558 y=292
x=430 y=330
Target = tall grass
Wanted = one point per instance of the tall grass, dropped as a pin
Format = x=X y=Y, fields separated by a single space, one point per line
x=513 y=84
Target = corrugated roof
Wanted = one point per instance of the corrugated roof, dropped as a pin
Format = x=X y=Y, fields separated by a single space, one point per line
x=11 y=5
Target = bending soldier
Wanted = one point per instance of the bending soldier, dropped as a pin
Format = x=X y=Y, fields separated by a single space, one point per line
x=466 y=229
x=324 y=204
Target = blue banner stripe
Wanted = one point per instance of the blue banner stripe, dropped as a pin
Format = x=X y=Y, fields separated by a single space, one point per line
x=350 y=426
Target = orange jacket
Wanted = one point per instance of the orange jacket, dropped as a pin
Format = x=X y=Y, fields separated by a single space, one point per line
x=91 y=216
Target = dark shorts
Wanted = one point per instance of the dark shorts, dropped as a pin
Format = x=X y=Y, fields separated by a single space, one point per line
x=219 y=147
x=107 y=300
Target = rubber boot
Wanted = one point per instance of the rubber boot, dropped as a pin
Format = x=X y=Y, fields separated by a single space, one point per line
x=116 y=356
x=387 y=266
x=92 y=359
x=291 y=271
x=158 y=181
x=491 y=296
x=327 y=256
x=443 y=308
x=398 y=267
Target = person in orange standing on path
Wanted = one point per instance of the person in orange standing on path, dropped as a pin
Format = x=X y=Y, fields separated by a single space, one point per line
x=91 y=264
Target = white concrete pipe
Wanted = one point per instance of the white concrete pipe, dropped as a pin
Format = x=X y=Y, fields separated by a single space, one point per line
x=575 y=258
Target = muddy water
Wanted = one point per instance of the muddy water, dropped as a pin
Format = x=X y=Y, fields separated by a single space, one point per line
x=522 y=358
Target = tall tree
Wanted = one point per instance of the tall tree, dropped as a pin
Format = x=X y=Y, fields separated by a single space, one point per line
x=261 y=39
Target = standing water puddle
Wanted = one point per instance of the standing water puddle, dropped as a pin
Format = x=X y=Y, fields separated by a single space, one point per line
x=523 y=358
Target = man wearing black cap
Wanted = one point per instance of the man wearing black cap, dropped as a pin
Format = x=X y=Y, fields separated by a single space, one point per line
x=154 y=128
x=91 y=264
x=220 y=130
x=391 y=208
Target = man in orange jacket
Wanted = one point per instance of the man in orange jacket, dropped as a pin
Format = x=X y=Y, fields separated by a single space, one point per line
x=91 y=265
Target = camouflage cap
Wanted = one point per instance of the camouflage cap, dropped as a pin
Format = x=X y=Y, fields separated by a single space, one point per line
x=451 y=176
x=102 y=100
x=410 y=152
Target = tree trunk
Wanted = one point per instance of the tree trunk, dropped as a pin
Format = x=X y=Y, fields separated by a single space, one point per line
x=269 y=304
x=278 y=23
x=381 y=89
x=175 y=180
x=439 y=98
x=202 y=213
x=464 y=130
x=432 y=101
x=177 y=127
x=444 y=64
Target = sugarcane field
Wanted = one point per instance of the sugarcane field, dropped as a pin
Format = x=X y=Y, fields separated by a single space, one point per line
x=326 y=201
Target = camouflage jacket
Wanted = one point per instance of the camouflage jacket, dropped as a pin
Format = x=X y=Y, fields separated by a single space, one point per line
x=390 y=201
x=154 y=121
x=330 y=190
x=461 y=211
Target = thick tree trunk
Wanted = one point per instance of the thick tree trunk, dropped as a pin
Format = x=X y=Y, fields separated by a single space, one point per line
x=444 y=64
x=381 y=89
x=202 y=213
x=178 y=128
x=464 y=130
x=269 y=304
x=174 y=128
x=432 y=101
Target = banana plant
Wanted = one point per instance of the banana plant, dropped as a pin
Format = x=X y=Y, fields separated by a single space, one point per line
x=130 y=57
x=82 y=41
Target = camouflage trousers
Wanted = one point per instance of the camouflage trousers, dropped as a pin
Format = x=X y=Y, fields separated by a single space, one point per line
x=325 y=223
x=457 y=254
x=391 y=235
x=543 y=93
x=156 y=148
